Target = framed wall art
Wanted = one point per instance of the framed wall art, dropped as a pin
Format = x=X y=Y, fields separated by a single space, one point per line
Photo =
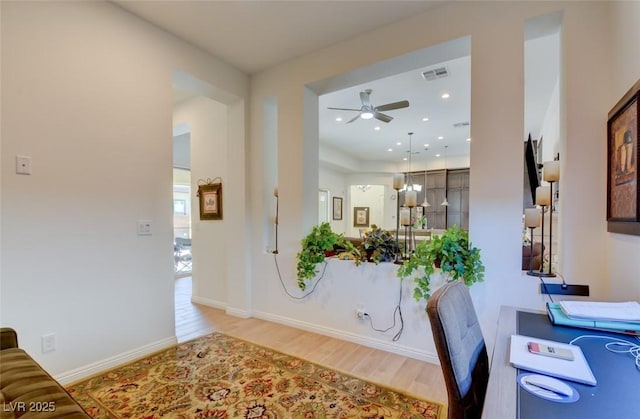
x=623 y=192
x=210 y=201
x=361 y=216
x=337 y=208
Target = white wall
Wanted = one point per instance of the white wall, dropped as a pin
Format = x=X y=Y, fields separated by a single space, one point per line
x=335 y=182
x=87 y=93
x=550 y=130
x=496 y=30
x=623 y=250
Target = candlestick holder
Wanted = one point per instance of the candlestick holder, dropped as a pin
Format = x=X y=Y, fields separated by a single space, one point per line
x=531 y=258
x=276 y=221
x=398 y=257
x=540 y=272
x=549 y=273
x=406 y=253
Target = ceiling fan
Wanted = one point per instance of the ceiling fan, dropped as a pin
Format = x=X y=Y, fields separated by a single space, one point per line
x=367 y=111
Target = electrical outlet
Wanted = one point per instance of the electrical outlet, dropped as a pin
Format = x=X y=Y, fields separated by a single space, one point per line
x=48 y=343
x=360 y=313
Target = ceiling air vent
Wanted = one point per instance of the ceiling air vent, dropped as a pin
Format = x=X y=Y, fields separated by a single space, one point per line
x=436 y=73
x=461 y=124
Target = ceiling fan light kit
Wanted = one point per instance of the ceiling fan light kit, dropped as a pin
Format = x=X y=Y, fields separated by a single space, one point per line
x=367 y=111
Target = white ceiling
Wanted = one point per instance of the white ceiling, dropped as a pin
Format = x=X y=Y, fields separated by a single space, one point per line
x=255 y=35
x=360 y=138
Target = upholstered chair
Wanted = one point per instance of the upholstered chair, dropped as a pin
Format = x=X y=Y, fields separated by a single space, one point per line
x=461 y=349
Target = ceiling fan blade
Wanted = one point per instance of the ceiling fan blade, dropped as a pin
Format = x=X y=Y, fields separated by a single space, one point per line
x=364 y=97
x=344 y=109
x=382 y=117
x=353 y=119
x=392 y=106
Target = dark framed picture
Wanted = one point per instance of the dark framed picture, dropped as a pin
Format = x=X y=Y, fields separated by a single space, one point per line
x=210 y=201
x=623 y=205
x=361 y=216
x=337 y=208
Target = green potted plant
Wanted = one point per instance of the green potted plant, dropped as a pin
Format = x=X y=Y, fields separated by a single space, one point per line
x=378 y=245
x=452 y=253
x=318 y=244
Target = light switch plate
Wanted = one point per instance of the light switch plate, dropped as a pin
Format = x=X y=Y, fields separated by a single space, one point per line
x=23 y=165
x=144 y=227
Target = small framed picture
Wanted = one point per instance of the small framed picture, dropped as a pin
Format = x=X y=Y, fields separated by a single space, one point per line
x=623 y=197
x=210 y=201
x=337 y=208
x=361 y=216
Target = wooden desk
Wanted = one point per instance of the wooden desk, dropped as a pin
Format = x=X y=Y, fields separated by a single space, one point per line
x=501 y=398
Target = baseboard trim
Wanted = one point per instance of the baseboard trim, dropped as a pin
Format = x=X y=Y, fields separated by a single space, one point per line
x=351 y=337
x=87 y=371
x=244 y=314
x=232 y=311
x=209 y=302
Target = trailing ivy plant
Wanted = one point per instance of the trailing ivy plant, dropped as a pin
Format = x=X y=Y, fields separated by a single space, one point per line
x=452 y=253
x=320 y=240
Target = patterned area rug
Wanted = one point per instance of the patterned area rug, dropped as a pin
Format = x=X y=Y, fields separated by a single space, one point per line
x=218 y=376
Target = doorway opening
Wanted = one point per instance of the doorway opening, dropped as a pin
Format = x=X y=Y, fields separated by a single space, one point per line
x=182 y=260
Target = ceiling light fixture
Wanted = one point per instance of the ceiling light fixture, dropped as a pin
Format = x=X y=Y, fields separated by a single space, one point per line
x=398 y=143
x=468 y=140
x=441 y=138
x=411 y=195
x=425 y=203
x=445 y=95
x=377 y=128
x=425 y=119
x=445 y=202
x=389 y=149
x=338 y=119
x=366 y=115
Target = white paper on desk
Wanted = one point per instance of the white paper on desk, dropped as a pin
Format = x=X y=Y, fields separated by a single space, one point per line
x=577 y=370
x=628 y=311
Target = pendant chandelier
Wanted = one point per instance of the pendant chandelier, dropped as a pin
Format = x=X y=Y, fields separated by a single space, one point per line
x=445 y=202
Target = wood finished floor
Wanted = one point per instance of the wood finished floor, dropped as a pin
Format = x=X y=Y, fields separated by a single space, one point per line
x=409 y=375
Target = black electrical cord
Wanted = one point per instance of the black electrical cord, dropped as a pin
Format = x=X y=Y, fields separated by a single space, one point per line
x=275 y=259
x=544 y=285
x=398 y=310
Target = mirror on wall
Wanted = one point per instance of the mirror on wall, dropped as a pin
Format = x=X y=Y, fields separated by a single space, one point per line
x=323 y=206
x=542 y=142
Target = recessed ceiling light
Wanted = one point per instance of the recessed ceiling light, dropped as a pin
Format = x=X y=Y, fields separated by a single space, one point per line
x=404 y=158
x=377 y=128
x=445 y=95
x=437 y=155
x=425 y=119
x=338 y=119
x=398 y=143
x=441 y=138
x=468 y=139
x=366 y=115
x=389 y=149
x=426 y=145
